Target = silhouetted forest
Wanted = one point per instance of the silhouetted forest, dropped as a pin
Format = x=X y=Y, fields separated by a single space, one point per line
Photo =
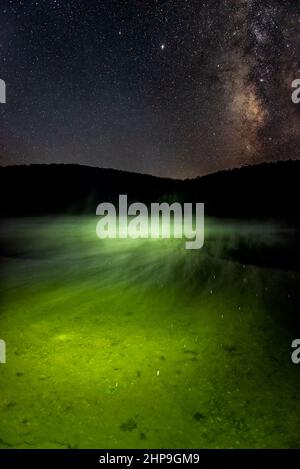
x=262 y=191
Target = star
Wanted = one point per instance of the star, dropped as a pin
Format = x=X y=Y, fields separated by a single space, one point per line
x=176 y=92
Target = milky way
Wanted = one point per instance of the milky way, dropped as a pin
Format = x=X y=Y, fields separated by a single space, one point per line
x=174 y=88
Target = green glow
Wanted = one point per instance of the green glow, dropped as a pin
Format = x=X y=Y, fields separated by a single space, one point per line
x=140 y=343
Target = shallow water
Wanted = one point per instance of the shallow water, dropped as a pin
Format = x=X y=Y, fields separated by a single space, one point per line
x=141 y=343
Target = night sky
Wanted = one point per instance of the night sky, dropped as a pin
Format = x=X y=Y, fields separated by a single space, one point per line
x=175 y=88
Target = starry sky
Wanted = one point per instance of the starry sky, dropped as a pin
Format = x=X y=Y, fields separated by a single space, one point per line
x=175 y=88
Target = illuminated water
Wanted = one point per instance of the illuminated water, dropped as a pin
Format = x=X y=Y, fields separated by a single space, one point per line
x=141 y=343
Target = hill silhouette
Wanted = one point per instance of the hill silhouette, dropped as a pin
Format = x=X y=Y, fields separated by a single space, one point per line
x=266 y=190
